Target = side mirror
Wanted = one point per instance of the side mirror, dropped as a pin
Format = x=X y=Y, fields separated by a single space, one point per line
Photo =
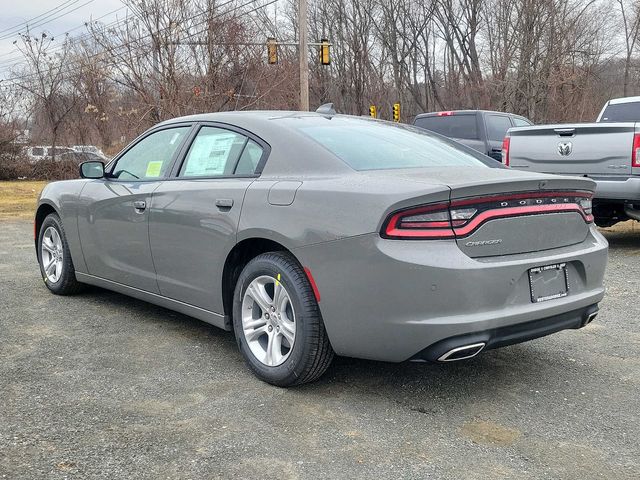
x=92 y=169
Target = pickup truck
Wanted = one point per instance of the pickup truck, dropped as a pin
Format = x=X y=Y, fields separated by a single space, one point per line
x=481 y=130
x=607 y=151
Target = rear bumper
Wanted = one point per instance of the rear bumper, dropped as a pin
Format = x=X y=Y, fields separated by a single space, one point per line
x=622 y=189
x=390 y=300
x=509 y=334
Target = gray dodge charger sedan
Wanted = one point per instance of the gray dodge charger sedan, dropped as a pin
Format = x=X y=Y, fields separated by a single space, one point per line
x=312 y=234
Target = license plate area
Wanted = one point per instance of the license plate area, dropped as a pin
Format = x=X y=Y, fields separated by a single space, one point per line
x=548 y=282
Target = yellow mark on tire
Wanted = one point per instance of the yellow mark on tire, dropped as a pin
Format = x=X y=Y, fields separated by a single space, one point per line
x=278 y=280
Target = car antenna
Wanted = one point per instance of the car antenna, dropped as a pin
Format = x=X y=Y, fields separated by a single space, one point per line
x=326 y=109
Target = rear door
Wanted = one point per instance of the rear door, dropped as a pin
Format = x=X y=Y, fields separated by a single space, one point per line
x=195 y=214
x=113 y=220
x=496 y=126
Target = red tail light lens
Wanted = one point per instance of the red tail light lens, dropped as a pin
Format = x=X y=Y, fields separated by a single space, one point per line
x=445 y=114
x=635 y=152
x=429 y=221
x=505 y=150
x=461 y=218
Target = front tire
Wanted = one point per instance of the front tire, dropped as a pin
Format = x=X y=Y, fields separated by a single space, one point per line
x=54 y=258
x=277 y=322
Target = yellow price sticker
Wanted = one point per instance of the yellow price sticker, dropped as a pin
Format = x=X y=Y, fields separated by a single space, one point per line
x=153 y=169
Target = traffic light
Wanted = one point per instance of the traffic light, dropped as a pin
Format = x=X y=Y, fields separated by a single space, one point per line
x=324 y=52
x=396 y=112
x=372 y=111
x=272 y=50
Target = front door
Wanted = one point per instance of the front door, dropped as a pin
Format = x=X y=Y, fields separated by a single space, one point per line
x=113 y=220
x=194 y=217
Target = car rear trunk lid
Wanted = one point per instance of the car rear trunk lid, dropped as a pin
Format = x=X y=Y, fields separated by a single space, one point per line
x=516 y=212
x=520 y=213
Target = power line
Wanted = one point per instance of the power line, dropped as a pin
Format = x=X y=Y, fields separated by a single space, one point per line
x=21 y=25
x=125 y=44
x=6 y=64
x=46 y=20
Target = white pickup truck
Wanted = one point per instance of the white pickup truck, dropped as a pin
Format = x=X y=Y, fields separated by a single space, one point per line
x=607 y=152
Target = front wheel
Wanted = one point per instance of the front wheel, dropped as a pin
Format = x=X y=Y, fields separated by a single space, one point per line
x=54 y=258
x=277 y=322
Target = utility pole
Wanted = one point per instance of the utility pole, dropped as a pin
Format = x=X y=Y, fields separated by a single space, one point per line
x=304 y=55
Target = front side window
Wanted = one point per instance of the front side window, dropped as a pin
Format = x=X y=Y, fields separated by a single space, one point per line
x=217 y=152
x=150 y=157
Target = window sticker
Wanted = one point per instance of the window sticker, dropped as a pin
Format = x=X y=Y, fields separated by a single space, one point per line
x=153 y=169
x=209 y=154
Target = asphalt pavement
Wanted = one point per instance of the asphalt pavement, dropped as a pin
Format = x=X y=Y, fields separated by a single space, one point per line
x=100 y=385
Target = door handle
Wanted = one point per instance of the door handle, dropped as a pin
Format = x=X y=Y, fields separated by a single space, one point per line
x=140 y=205
x=224 y=203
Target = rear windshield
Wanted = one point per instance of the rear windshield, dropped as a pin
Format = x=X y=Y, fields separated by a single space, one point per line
x=622 y=112
x=453 y=126
x=369 y=145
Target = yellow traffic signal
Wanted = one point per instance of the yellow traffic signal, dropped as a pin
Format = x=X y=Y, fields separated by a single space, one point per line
x=272 y=50
x=396 y=112
x=372 y=111
x=324 y=52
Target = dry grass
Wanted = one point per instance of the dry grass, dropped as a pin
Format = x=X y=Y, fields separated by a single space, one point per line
x=630 y=226
x=18 y=199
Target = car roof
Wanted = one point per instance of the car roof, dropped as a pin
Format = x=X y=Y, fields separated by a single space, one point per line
x=237 y=116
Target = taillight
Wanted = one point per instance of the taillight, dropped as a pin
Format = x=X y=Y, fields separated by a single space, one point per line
x=505 y=150
x=635 y=152
x=444 y=114
x=429 y=221
x=586 y=206
x=461 y=218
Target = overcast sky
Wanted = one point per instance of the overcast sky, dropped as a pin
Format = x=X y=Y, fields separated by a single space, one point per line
x=62 y=16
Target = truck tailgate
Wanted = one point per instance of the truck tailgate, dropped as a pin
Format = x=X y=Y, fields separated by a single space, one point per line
x=582 y=149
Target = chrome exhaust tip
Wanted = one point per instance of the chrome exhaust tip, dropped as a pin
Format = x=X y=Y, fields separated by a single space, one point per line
x=462 y=353
x=590 y=318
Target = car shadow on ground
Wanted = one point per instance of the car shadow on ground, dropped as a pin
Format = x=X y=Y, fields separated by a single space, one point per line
x=523 y=365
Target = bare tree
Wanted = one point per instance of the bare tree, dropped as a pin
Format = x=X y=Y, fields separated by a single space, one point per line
x=45 y=80
x=630 y=13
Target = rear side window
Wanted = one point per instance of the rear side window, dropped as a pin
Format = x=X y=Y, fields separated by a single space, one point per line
x=497 y=126
x=369 y=145
x=214 y=152
x=249 y=160
x=622 y=112
x=462 y=126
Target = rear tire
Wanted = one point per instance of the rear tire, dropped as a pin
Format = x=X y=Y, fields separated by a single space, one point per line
x=54 y=258
x=281 y=335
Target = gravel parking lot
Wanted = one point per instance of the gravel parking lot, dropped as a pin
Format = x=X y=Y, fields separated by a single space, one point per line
x=103 y=386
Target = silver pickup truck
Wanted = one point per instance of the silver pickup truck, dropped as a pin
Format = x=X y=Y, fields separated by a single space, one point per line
x=607 y=151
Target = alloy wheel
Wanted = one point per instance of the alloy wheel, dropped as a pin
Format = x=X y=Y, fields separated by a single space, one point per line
x=51 y=254
x=268 y=320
